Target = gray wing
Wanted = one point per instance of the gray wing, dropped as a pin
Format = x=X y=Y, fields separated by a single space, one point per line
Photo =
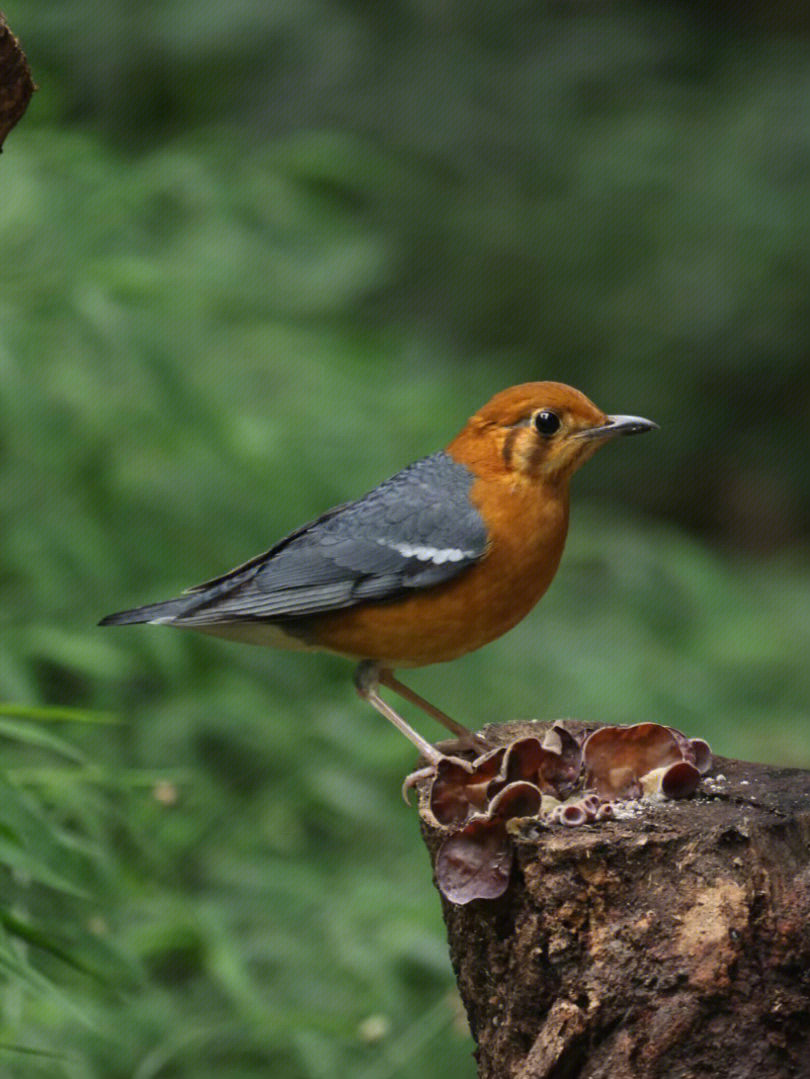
x=415 y=530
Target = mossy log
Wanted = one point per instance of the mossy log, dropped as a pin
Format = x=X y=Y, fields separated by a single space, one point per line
x=670 y=942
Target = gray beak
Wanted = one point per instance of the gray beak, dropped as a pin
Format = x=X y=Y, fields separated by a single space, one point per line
x=620 y=425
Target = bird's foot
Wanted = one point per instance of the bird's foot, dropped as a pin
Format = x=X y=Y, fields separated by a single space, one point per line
x=465 y=752
x=414 y=779
x=473 y=745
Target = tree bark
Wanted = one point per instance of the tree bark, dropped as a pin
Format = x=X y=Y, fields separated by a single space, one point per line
x=16 y=84
x=671 y=942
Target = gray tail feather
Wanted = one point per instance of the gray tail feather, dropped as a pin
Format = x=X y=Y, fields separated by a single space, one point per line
x=165 y=611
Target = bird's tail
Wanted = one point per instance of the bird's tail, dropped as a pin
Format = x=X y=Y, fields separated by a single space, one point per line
x=165 y=612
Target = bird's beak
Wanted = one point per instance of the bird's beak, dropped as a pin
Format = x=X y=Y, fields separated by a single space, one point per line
x=619 y=425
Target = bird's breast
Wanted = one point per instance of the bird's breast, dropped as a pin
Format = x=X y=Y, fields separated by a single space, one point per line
x=526 y=529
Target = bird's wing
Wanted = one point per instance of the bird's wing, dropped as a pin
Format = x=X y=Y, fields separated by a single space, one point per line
x=415 y=530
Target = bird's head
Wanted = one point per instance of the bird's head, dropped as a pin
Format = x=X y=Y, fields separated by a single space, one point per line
x=538 y=431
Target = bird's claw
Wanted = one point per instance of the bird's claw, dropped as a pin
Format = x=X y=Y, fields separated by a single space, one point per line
x=414 y=779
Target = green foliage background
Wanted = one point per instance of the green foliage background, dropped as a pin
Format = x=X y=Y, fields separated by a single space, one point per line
x=255 y=259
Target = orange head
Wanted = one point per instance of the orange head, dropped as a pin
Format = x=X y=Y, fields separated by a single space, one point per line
x=540 y=432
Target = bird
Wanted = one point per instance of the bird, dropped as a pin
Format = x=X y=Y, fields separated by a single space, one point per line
x=436 y=561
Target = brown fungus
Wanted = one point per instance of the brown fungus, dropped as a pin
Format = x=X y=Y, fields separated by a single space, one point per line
x=680 y=780
x=573 y=814
x=694 y=750
x=517 y=800
x=459 y=788
x=475 y=863
x=590 y=803
x=553 y=766
x=703 y=755
x=561 y=741
x=615 y=758
x=677 y=780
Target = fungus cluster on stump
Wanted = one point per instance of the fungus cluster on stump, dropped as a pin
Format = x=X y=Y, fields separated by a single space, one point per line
x=565 y=778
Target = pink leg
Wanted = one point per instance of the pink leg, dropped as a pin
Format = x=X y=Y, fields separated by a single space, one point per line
x=473 y=741
x=366 y=681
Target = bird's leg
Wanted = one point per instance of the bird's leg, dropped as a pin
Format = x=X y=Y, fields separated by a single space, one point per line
x=367 y=679
x=467 y=738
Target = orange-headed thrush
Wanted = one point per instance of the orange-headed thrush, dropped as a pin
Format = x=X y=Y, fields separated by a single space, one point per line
x=436 y=561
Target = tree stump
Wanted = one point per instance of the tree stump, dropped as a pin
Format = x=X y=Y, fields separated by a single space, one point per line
x=670 y=943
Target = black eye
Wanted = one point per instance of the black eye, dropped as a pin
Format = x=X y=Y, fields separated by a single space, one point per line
x=546 y=422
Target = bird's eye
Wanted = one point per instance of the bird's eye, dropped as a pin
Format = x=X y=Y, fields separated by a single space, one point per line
x=546 y=422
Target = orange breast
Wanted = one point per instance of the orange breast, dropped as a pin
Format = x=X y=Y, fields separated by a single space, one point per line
x=527 y=527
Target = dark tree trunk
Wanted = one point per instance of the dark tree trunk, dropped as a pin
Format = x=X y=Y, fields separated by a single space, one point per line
x=672 y=942
x=16 y=84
